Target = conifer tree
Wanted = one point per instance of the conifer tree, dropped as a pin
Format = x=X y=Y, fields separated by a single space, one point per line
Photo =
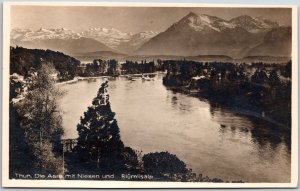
x=99 y=144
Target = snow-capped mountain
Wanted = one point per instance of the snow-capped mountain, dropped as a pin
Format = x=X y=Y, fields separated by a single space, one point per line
x=204 y=22
x=124 y=42
x=43 y=34
x=62 y=39
x=209 y=35
x=254 y=25
x=113 y=38
x=136 y=41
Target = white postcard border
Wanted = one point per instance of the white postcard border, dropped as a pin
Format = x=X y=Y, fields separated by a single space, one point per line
x=6 y=182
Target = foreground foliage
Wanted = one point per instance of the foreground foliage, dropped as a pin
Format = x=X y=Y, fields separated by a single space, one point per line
x=37 y=120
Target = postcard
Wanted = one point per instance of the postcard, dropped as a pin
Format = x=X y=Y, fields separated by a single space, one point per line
x=149 y=95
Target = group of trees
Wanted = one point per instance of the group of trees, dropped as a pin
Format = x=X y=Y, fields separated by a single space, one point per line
x=259 y=87
x=112 y=68
x=101 y=67
x=22 y=60
x=35 y=124
x=130 y=67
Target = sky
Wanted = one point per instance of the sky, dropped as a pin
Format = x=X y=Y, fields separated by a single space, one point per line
x=127 y=19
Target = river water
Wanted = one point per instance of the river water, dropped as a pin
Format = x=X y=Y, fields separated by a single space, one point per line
x=211 y=140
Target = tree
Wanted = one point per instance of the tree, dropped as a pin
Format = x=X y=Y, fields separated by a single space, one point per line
x=287 y=72
x=41 y=119
x=99 y=144
x=274 y=78
x=113 y=67
x=162 y=163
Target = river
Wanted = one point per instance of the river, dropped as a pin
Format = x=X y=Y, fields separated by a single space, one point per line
x=211 y=140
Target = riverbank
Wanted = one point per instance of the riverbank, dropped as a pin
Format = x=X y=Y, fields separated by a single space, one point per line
x=79 y=78
x=237 y=110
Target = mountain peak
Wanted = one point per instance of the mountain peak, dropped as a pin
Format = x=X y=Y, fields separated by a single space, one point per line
x=203 y=22
x=206 y=34
x=254 y=25
x=244 y=17
x=191 y=14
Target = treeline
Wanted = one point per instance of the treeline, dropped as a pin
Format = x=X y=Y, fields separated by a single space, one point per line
x=113 y=68
x=258 y=87
x=101 y=67
x=23 y=60
x=130 y=67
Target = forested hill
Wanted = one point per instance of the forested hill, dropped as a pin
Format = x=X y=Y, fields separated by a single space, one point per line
x=23 y=59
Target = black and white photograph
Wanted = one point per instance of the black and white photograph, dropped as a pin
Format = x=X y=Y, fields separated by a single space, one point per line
x=149 y=95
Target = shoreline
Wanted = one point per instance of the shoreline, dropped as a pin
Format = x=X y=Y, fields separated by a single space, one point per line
x=250 y=113
x=79 y=78
x=240 y=111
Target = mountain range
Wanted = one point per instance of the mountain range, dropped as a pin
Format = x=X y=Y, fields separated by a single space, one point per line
x=193 y=35
x=123 y=42
x=91 y=40
x=204 y=34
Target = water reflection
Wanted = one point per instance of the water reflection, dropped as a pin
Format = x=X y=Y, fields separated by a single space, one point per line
x=262 y=132
x=176 y=104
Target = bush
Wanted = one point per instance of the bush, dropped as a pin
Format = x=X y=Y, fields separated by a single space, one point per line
x=163 y=163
